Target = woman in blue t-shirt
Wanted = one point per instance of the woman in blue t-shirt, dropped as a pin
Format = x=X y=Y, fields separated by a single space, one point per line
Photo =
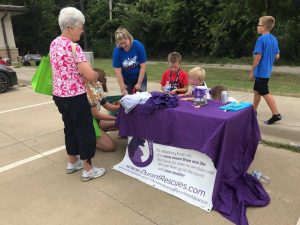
x=129 y=63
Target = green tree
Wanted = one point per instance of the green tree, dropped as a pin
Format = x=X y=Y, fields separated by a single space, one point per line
x=219 y=28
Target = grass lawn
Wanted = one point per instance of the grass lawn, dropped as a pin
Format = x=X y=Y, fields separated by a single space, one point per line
x=280 y=83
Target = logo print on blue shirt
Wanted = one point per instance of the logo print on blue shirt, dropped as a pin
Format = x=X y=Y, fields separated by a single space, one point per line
x=130 y=63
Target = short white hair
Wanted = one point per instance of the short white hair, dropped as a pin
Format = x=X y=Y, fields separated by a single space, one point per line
x=70 y=17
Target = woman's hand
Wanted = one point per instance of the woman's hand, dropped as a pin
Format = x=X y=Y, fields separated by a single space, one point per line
x=251 y=76
x=173 y=92
x=124 y=92
x=138 y=87
x=123 y=87
x=188 y=99
x=112 y=106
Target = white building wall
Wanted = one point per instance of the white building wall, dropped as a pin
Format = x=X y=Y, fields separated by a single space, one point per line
x=10 y=37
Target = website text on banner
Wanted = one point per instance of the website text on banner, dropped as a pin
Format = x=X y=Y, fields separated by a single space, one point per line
x=186 y=174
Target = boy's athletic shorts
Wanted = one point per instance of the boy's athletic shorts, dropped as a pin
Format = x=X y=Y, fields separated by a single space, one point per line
x=261 y=85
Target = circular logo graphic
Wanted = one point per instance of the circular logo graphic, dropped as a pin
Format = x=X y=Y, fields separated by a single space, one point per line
x=139 y=154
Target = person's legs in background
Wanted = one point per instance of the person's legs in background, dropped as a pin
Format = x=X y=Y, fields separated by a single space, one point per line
x=84 y=129
x=63 y=105
x=79 y=135
x=71 y=146
x=107 y=125
x=261 y=88
x=256 y=100
x=86 y=137
x=105 y=142
x=271 y=103
x=276 y=116
x=257 y=93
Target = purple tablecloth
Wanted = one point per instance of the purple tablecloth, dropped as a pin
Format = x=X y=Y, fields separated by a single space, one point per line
x=230 y=139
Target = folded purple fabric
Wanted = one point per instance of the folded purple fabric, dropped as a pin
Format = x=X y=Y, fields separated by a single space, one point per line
x=159 y=101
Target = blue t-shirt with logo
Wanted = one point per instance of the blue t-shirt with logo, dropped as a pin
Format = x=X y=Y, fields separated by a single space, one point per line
x=130 y=61
x=267 y=46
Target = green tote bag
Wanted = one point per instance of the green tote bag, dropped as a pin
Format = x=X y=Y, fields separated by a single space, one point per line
x=96 y=128
x=42 y=79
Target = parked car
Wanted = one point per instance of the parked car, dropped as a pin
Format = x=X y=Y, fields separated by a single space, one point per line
x=7 y=61
x=28 y=59
x=8 y=78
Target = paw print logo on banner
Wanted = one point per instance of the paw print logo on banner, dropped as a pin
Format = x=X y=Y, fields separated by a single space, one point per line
x=140 y=154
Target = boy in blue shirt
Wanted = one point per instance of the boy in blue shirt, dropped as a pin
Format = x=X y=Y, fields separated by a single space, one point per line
x=265 y=52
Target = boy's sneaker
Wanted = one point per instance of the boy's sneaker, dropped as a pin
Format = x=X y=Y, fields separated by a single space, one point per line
x=92 y=174
x=273 y=119
x=72 y=168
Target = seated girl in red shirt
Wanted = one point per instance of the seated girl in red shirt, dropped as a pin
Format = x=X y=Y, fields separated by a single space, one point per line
x=175 y=76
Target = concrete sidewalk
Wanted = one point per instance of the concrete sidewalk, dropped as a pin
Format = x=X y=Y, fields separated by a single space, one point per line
x=40 y=192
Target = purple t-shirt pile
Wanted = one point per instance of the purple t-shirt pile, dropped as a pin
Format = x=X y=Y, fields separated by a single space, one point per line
x=159 y=101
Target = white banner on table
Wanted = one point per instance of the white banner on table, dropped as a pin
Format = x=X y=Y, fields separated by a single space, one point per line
x=186 y=174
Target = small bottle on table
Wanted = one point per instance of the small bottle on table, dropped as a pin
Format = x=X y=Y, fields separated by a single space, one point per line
x=262 y=178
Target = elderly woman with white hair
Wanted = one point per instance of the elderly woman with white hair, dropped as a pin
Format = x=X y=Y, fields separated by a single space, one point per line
x=69 y=93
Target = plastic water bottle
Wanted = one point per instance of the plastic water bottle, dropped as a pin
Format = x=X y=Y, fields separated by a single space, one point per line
x=197 y=102
x=197 y=98
x=224 y=97
x=262 y=178
x=295 y=145
x=167 y=88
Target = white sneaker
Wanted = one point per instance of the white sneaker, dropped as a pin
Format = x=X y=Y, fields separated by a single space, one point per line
x=72 y=168
x=92 y=174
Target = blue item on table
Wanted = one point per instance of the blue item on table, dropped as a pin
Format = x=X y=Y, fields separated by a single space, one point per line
x=235 y=106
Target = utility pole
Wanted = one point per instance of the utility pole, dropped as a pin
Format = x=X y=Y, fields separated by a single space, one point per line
x=84 y=27
x=110 y=17
x=110 y=9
